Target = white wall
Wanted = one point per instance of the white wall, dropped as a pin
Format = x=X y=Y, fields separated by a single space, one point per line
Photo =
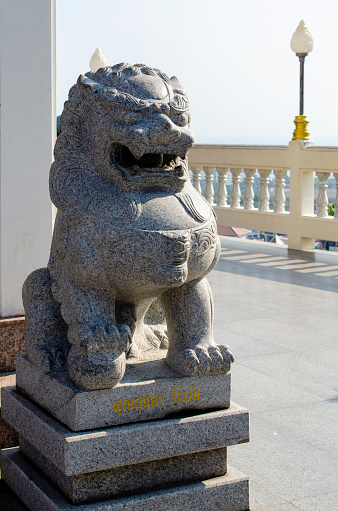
x=28 y=125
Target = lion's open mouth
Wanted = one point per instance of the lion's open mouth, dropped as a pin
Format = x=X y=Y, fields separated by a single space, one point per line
x=150 y=164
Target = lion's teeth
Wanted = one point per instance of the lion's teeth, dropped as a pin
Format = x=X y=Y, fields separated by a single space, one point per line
x=160 y=160
x=137 y=152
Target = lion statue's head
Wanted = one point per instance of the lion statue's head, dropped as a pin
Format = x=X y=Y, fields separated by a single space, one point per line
x=127 y=123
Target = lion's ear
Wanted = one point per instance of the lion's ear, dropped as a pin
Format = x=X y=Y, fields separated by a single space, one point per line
x=176 y=84
x=86 y=83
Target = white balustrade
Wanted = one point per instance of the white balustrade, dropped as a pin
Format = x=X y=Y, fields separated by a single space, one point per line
x=336 y=197
x=196 y=178
x=264 y=194
x=222 y=193
x=322 y=199
x=236 y=189
x=209 y=187
x=279 y=200
x=249 y=195
x=301 y=160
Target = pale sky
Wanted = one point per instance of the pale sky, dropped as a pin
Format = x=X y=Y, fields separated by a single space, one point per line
x=233 y=58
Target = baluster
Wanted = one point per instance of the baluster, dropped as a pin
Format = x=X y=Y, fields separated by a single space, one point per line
x=336 y=197
x=264 y=195
x=209 y=187
x=196 y=178
x=236 y=190
x=222 y=193
x=279 y=203
x=322 y=199
x=249 y=193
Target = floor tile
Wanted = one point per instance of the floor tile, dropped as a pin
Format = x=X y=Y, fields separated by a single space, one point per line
x=315 y=423
x=284 y=464
x=322 y=502
x=260 y=393
x=261 y=498
x=297 y=369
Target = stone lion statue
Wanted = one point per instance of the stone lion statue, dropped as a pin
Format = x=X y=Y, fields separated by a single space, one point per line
x=130 y=228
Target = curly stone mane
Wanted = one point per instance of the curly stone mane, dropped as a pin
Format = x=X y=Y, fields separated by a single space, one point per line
x=72 y=154
x=72 y=151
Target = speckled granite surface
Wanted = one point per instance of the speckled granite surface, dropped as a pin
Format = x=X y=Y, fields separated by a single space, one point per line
x=131 y=479
x=12 y=341
x=227 y=493
x=8 y=500
x=126 y=459
x=79 y=452
x=148 y=390
x=8 y=435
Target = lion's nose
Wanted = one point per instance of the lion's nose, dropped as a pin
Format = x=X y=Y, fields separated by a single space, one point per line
x=163 y=131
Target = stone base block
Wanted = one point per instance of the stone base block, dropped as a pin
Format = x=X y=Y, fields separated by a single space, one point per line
x=8 y=435
x=79 y=452
x=149 y=390
x=8 y=500
x=227 y=493
x=131 y=479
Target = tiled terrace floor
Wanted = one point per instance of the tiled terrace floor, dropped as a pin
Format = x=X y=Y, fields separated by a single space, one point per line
x=278 y=311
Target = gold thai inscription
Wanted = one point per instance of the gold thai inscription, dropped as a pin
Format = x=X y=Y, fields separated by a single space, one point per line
x=146 y=400
x=183 y=397
x=139 y=403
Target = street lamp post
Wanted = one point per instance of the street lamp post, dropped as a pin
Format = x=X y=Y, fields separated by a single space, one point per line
x=302 y=44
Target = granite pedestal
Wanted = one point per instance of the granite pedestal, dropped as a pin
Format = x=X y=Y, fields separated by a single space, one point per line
x=72 y=458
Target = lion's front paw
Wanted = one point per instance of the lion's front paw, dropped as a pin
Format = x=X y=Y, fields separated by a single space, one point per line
x=201 y=360
x=101 y=339
x=97 y=359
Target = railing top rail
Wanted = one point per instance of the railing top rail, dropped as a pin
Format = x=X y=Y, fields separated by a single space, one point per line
x=239 y=146
x=264 y=146
x=239 y=156
x=297 y=155
x=322 y=148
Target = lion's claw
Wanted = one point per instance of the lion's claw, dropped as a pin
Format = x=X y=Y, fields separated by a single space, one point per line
x=216 y=358
x=201 y=361
x=191 y=361
x=52 y=356
x=100 y=339
x=125 y=337
x=228 y=358
x=204 y=361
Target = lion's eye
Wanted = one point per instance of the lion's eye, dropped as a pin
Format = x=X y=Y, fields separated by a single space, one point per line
x=180 y=119
x=132 y=118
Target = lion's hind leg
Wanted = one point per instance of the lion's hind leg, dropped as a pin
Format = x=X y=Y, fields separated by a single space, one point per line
x=155 y=326
x=46 y=332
